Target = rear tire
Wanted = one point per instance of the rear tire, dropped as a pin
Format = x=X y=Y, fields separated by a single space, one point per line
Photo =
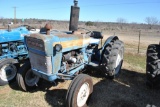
x=79 y=91
x=153 y=65
x=113 y=58
x=8 y=70
x=26 y=79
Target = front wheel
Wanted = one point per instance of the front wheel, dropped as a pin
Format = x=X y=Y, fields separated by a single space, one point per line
x=79 y=91
x=113 y=58
x=26 y=79
x=8 y=71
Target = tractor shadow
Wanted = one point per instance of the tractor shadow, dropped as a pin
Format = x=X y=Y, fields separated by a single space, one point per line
x=43 y=86
x=128 y=90
x=13 y=85
x=56 y=97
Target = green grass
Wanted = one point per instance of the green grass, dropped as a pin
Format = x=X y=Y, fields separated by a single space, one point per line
x=136 y=60
x=1 y=87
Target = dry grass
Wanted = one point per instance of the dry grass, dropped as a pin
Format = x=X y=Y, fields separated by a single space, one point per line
x=128 y=90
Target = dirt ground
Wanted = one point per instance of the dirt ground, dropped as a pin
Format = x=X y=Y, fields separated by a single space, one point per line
x=128 y=90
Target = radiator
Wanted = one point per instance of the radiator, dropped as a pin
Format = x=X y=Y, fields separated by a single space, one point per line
x=41 y=63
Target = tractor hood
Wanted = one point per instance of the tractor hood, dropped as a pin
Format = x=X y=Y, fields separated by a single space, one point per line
x=13 y=35
x=67 y=40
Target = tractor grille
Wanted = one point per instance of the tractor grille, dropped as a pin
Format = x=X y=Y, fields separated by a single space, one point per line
x=35 y=43
x=41 y=63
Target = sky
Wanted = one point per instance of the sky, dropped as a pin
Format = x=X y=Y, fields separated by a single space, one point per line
x=90 y=10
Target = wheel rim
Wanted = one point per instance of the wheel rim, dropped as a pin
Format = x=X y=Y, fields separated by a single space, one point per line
x=83 y=94
x=31 y=79
x=8 y=72
x=118 y=62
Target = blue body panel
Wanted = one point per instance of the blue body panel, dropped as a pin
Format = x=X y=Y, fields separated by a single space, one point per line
x=11 y=39
x=48 y=77
x=13 y=35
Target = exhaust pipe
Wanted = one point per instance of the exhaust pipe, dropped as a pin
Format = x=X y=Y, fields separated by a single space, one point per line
x=74 y=17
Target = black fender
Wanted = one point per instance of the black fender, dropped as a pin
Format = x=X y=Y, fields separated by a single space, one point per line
x=111 y=38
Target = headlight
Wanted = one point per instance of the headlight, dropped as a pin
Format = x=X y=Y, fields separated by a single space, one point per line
x=58 y=47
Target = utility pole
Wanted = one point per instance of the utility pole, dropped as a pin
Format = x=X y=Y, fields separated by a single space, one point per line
x=14 y=15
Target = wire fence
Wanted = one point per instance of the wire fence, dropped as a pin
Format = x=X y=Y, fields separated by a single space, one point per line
x=136 y=41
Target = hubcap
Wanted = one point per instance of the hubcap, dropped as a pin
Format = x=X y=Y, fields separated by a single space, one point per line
x=118 y=62
x=8 y=72
x=31 y=79
x=83 y=94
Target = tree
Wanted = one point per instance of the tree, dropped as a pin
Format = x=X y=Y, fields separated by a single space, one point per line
x=89 y=23
x=1 y=19
x=151 y=21
x=121 y=20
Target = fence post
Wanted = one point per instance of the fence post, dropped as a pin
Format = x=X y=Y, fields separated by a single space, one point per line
x=139 y=40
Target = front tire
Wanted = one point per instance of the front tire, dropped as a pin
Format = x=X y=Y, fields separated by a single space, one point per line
x=26 y=79
x=8 y=70
x=79 y=91
x=153 y=65
x=113 y=58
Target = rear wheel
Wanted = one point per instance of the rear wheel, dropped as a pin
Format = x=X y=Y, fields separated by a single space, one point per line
x=153 y=65
x=26 y=79
x=113 y=58
x=8 y=71
x=79 y=91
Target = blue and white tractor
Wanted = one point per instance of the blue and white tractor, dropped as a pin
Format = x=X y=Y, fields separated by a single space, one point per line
x=12 y=52
x=65 y=55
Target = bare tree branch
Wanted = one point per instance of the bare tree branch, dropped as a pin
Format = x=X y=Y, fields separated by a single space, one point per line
x=151 y=20
x=121 y=20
